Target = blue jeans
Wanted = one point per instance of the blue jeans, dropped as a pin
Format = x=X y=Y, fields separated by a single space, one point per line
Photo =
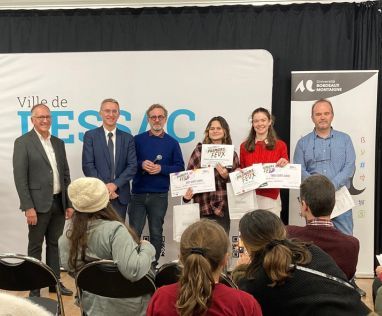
x=154 y=206
x=344 y=222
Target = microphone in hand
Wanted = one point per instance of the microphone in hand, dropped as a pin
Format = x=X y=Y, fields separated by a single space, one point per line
x=157 y=158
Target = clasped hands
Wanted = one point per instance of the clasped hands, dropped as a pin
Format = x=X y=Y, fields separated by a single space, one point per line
x=111 y=187
x=150 y=167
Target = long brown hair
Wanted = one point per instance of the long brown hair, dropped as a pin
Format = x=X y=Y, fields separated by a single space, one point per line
x=227 y=135
x=203 y=246
x=78 y=232
x=270 y=141
x=264 y=236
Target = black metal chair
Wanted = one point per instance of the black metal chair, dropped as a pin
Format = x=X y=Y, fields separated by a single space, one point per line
x=169 y=273
x=23 y=273
x=103 y=278
x=226 y=280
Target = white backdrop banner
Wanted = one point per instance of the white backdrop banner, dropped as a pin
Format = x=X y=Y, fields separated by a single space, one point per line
x=354 y=98
x=193 y=85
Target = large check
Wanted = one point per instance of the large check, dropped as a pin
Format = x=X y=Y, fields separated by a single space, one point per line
x=247 y=179
x=200 y=180
x=287 y=177
x=213 y=154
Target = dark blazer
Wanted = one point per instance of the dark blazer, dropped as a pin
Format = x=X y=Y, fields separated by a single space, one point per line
x=96 y=160
x=33 y=174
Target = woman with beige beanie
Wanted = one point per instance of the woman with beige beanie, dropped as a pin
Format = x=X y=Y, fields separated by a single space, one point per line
x=96 y=232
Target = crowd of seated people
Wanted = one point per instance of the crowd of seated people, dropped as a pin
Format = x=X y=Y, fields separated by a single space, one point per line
x=291 y=277
x=277 y=276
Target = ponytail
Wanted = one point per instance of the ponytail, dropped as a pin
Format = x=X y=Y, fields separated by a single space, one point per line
x=196 y=286
x=203 y=247
x=277 y=257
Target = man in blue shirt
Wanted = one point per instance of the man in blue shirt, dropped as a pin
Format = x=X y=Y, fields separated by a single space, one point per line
x=330 y=153
x=158 y=155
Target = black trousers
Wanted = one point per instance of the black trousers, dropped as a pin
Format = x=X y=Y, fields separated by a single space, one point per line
x=224 y=221
x=49 y=226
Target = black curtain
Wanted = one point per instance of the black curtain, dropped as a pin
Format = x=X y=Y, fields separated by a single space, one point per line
x=338 y=36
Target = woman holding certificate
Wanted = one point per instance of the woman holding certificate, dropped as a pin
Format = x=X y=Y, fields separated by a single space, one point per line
x=263 y=146
x=214 y=205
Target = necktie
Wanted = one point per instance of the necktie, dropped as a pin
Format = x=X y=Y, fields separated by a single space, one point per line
x=110 y=146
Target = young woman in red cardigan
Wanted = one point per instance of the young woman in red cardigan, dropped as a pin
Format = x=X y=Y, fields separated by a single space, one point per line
x=263 y=146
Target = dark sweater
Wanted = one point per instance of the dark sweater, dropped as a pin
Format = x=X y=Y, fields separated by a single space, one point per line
x=342 y=248
x=305 y=293
x=148 y=148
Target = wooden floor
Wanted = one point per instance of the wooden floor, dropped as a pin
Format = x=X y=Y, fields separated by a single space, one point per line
x=72 y=310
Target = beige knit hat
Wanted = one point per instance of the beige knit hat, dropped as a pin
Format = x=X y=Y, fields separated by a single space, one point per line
x=88 y=195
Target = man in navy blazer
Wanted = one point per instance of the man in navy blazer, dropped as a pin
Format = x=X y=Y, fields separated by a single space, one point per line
x=109 y=155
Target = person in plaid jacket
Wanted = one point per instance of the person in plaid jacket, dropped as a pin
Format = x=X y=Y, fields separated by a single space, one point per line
x=214 y=205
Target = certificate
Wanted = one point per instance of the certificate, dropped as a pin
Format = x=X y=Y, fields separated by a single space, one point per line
x=247 y=179
x=200 y=180
x=287 y=177
x=213 y=154
x=344 y=202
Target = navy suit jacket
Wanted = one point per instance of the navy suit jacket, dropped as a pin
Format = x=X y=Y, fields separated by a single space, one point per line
x=96 y=160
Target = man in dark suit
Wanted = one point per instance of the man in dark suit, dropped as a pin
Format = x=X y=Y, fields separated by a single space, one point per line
x=109 y=155
x=41 y=175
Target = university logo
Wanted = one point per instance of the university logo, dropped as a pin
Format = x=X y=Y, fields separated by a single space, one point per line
x=308 y=86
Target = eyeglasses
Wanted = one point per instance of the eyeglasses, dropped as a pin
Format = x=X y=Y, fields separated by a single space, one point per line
x=155 y=117
x=113 y=112
x=41 y=118
x=299 y=199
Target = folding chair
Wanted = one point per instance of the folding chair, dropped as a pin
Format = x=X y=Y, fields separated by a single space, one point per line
x=169 y=273
x=226 y=280
x=23 y=273
x=103 y=278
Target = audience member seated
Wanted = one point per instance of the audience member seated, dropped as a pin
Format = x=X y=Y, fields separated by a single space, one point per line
x=377 y=290
x=203 y=253
x=291 y=277
x=317 y=199
x=97 y=232
x=11 y=305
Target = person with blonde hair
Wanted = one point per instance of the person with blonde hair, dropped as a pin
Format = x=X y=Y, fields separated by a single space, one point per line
x=292 y=277
x=98 y=232
x=203 y=254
